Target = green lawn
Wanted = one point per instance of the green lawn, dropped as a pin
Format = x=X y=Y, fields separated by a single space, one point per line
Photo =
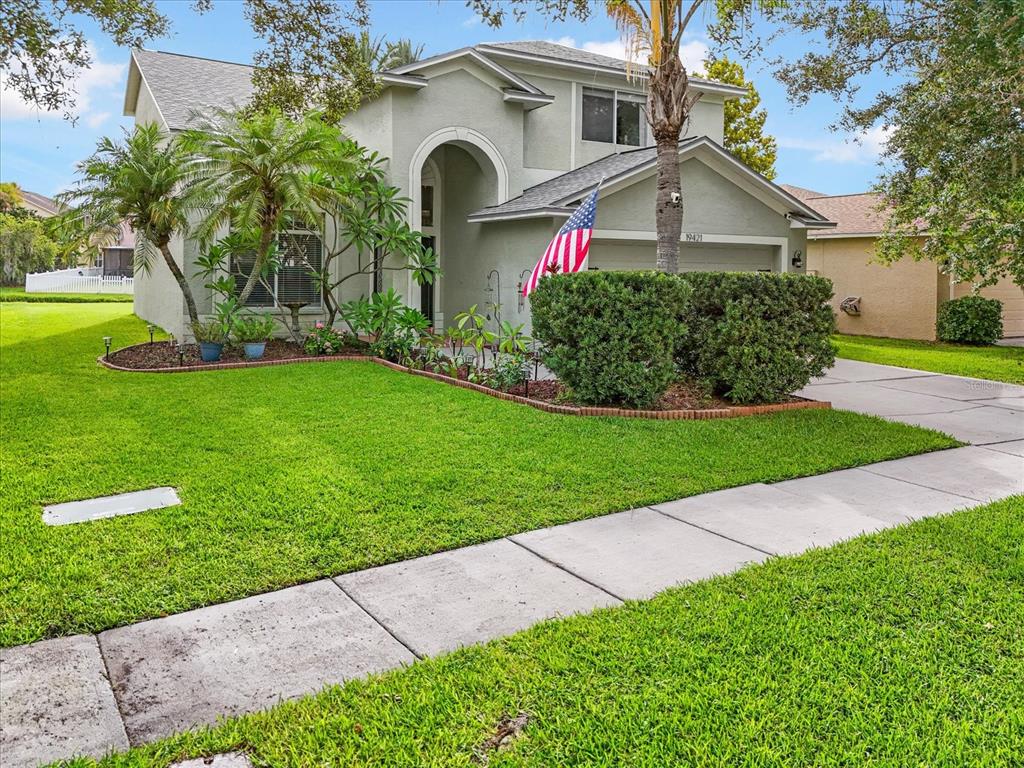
x=995 y=363
x=902 y=648
x=289 y=473
x=19 y=295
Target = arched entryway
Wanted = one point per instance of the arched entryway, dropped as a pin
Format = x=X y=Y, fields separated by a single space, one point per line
x=454 y=172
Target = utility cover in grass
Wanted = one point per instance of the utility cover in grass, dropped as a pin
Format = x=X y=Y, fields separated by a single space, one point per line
x=110 y=506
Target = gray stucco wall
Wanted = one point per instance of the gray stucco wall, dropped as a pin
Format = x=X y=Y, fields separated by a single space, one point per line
x=157 y=298
x=470 y=251
x=711 y=204
x=455 y=99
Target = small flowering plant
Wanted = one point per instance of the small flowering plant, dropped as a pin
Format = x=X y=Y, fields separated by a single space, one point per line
x=323 y=340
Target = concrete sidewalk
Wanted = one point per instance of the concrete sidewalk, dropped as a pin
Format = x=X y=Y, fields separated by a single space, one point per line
x=972 y=410
x=90 y=694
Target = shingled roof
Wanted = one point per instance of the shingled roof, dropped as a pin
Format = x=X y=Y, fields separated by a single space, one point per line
x=553 y=194
x=559 y=194
x=856 y=215
x=184 y=84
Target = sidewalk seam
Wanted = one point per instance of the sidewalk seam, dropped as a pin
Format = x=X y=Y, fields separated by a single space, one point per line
x=561 y=567
x=714 y=533
x=113 y=690
x=375 y=620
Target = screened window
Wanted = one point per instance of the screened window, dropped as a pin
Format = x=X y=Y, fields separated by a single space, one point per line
x=614 y=117
x=598 y=109
x=300 y=250
x=427 y=209
x=628 y=120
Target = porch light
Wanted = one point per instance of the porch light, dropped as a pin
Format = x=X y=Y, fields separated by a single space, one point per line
x=798 y=259
x=106 y=343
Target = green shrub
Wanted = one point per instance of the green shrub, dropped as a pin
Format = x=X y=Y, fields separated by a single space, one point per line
x=757 y=337
x=970 y=320
x=611 y=336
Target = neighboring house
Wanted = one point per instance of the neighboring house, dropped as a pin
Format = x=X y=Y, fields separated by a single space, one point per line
x=899 y=300
x=117 y=256
x=496 y=145
x=42 y=206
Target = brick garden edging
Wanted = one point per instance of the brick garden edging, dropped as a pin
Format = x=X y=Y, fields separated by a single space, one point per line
x=688 y=414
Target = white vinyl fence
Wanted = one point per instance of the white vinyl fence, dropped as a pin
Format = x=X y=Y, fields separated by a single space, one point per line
x=80 y=280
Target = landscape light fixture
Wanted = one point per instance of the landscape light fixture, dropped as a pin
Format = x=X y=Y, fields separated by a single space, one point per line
x=106 y=343
x=150 y=328
x=181 y=356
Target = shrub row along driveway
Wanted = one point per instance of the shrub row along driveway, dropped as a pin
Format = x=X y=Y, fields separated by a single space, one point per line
x=292 y=473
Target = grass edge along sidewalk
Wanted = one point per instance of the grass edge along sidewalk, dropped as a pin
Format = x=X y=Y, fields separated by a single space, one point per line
x=994 y=363
x=901 y=646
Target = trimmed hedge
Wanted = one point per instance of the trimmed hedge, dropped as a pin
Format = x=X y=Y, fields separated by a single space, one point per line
x=611 y=336
x=970 y=320
x=624 y=337
x=757 y=337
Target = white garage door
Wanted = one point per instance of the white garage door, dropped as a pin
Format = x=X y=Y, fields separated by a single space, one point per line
x=705 y=257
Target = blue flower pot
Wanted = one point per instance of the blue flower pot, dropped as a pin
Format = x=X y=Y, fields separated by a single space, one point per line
x=254 y=350
x=210 y=351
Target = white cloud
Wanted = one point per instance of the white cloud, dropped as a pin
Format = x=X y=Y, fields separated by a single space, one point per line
x=859 y=149
x=101 y=80
x=692 y=53
x=472 y=21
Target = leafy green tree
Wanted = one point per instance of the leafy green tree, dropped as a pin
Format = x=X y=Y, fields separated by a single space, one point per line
x=952 y=121
x=368 y=218
x=309 y=56
x=11 y=199
x=251 y=170
x=144 y=180
x=24 y=247
x=744 y=122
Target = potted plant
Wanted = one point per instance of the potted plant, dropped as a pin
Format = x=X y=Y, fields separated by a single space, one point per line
x=210 y=335
x=253 y=333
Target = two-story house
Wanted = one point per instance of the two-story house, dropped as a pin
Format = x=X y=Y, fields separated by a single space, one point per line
x=495 y=145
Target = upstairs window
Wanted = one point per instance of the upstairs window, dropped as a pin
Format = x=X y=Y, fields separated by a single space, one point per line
x=299 y=247
x=614 y=117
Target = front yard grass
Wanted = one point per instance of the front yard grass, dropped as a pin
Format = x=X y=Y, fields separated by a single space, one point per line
x=901 y=648
x=291 y=473
x=994 y=363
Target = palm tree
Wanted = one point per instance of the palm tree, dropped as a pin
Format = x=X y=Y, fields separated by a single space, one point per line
x=400 y=53
x=252 y=170
x=142 y=180
x=659 y=33
x=379 y=55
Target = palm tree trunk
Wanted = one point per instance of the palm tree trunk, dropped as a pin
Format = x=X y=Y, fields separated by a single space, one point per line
x=266 y=238
x=668 y=106
x=186 y=289
x=668 y=205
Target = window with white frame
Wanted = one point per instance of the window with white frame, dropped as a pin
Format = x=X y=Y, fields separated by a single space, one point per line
x=615 y=117
x=299 y=248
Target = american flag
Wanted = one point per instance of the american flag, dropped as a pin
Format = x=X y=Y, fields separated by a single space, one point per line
x=568 y=251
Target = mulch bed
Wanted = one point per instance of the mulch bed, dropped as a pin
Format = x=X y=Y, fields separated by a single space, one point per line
x=683 y=401
x=162 y=354
x=681 y=395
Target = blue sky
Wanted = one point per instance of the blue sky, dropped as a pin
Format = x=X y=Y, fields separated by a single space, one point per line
x=39 y=152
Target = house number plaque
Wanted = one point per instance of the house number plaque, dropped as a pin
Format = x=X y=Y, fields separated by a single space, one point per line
x=694 y=237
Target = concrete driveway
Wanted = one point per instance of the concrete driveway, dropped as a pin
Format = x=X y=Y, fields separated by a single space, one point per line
x=972 y=410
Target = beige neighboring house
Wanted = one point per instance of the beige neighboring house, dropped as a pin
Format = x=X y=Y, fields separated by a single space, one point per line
x=42 y=206
x=900 y=300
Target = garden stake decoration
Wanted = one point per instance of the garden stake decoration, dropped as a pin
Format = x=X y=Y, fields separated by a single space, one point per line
x=106 y=343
